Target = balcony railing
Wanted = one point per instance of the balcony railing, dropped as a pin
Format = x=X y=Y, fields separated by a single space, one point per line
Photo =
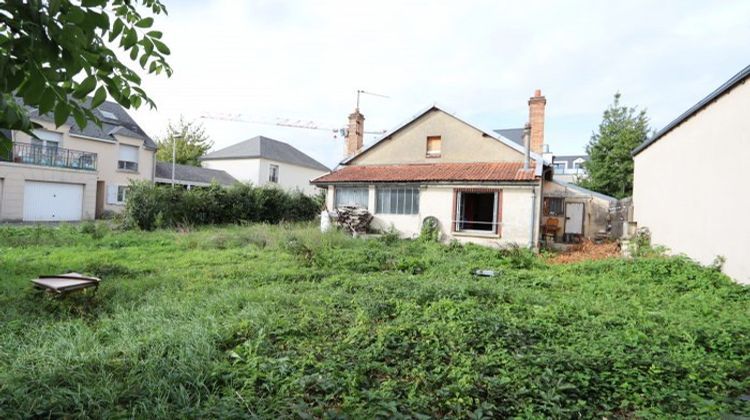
x=53 y=156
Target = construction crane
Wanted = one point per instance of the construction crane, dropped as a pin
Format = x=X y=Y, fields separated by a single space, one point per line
x=281 y=122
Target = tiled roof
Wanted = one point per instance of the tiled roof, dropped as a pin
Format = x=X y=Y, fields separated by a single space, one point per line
x=263 y=147
x=189 y=174
x=431 y=172
x=124 y=123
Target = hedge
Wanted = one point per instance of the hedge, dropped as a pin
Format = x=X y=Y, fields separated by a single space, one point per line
x=150 y=206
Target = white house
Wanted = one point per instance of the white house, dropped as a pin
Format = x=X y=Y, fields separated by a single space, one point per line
x=264 y=161
x=480 y=187
x=689 y=185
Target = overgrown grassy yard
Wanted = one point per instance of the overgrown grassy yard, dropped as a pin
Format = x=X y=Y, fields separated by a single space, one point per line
x=284 y=321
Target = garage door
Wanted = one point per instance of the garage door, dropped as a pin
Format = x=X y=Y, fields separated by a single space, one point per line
x=52 y=201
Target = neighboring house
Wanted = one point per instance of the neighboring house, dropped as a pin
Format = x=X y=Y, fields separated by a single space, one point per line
x=479 y=186
x=690 y=191
x=67 y=174
x=569 y=168
x=191 y=176
x=263 y=161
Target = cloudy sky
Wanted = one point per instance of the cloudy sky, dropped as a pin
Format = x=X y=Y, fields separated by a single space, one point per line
x=304 y=60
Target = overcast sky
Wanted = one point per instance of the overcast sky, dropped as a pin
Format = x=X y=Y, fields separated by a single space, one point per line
x=481 y=60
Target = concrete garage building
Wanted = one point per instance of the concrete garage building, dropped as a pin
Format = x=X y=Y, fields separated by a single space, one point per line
x=689 y=187
x=66 y=173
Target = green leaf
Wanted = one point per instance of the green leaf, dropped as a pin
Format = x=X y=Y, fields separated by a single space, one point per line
x=131 y=37
x=75 y=15
x=47 y=101
x=116 y=29
x=85 y=87
x=99 y=97
x=145 y=22
x=93 y=3
x=161 y=47
x=80 y=118
x=62 y=110
x=134 y=52
x=154 y=34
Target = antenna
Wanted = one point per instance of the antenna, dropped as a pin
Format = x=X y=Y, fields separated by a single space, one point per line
x=360 y=91
x=279 y=122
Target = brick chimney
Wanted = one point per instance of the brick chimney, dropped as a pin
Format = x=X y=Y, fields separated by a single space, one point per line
x=355 y=133
x=536 y=119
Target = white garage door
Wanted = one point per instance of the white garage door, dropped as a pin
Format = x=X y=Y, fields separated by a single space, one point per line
x=51 y=201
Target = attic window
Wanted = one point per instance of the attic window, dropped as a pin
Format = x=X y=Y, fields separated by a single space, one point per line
x=434 y=145
x=108 y=115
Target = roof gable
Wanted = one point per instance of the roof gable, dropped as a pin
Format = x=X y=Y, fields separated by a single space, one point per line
x=510 y=149
x=266 y=148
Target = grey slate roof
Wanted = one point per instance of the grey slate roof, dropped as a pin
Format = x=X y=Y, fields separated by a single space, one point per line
x=190 y=174
x=513 y=134
x=726 y=87
x=263 y=147
x=124 y=125
x=569 y=159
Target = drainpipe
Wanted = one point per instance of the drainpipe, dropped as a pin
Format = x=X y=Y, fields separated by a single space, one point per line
x=527 y=146
x=533 y=217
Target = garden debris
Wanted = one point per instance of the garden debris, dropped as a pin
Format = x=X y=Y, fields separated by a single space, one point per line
x=64 y=283
x=486 y=273
x=354 y=219
x=586 y=251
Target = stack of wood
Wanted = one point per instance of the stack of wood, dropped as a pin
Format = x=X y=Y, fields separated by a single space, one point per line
x=354 y=219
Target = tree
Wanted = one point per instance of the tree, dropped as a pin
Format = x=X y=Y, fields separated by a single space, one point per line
x=55 y=53
x=610 y=167
x=191 y=140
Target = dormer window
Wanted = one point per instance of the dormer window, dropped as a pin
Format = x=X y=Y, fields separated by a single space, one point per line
x=434 y=146
x=109 y=116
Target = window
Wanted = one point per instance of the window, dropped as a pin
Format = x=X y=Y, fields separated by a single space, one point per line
x=108 y=115
x=397 y=200
x=351 y=196
x=434 y=145
x=122 y=192
x=554 y=206
x=578 y=165
x=559 y=167
x=477 y=211
x=128 y=158
x=273 y=173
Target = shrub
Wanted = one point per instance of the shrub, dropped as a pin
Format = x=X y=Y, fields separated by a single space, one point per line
x=151 y=206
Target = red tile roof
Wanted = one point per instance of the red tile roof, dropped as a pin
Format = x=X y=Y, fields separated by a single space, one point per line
x=431 y=172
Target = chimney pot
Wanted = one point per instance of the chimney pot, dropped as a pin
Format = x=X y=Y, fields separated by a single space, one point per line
x=538 y=92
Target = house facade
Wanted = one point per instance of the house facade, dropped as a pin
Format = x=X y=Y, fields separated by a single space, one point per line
x=68 y=174
x=267 y=162
x=479 y=186
x=689 y=191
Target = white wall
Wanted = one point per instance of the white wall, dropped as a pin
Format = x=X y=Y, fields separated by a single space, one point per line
x=243 y=170
x=255 y=170
x=518 y=204
x=690 y=188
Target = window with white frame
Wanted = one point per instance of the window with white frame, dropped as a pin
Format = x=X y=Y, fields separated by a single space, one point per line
x=559 y=167
x=47 y=139
x=578 y=165
x=397 y=200
x=128 y=158
x=477 y=211
x=273 y=173
x=122 y=192
x=351 y=196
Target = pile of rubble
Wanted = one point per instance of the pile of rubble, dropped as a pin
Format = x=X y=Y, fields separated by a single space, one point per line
x=587 y=251
x=354 y=219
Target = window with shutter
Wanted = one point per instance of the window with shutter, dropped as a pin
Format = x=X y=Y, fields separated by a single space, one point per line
x=434 y=146
x=128 y=158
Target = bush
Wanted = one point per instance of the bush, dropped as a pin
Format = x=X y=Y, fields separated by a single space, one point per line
x=151 y=206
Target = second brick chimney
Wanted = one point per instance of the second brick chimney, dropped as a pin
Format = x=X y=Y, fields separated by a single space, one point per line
x=536 y=119
x=355 y=134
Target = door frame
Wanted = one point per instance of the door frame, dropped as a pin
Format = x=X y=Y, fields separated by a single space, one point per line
x=583 y=216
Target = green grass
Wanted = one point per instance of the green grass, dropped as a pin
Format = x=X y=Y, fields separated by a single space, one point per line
x=283 y=321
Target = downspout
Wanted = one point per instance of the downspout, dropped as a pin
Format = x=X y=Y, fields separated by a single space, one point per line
x=527 y=146
x=533 y=217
